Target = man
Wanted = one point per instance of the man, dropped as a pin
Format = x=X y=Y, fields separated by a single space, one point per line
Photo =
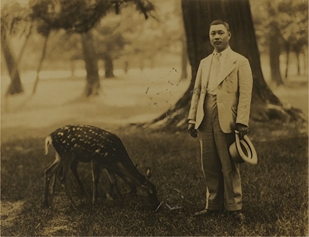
x=220 y=105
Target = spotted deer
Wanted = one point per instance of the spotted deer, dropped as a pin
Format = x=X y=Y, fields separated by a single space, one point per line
x=85 y=143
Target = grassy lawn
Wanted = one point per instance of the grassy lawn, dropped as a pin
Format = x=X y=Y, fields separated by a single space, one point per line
x=275 y=191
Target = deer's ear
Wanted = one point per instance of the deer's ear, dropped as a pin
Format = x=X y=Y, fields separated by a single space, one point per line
x=148 y=173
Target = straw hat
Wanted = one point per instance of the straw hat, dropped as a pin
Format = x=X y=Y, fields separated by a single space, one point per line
x=243 y=150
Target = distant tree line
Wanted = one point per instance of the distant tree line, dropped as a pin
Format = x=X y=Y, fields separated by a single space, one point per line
x=281 y=26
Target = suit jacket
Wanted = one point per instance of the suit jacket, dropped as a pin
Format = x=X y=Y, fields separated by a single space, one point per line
x=233 y=92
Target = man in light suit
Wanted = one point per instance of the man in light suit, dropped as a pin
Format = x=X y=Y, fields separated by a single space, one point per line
x=220 y=105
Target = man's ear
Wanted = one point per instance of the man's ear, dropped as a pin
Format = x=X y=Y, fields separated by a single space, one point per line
x=230 y=34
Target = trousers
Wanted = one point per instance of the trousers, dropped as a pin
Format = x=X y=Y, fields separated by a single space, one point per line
x=221 y=173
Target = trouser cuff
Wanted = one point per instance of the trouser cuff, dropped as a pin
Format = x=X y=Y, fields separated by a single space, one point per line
x=234 y=208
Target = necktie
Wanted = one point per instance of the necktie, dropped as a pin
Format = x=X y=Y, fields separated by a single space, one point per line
x=214 y=73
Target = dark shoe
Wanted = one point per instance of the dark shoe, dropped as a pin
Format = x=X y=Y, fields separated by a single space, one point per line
x=237 y=216
x=206 y=212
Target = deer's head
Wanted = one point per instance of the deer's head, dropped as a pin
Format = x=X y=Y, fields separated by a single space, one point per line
x=148 y=191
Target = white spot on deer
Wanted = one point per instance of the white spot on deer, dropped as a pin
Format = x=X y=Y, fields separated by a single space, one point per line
x=75 y=145
x=106 y=154
x=73 y=139
x=64 y=141
x=98 y=150
x=60 y=134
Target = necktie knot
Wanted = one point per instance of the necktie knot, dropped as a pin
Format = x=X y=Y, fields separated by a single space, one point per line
x=217 y=56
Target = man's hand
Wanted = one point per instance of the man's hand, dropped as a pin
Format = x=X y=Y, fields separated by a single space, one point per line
x=242 y=129
x=192 y=130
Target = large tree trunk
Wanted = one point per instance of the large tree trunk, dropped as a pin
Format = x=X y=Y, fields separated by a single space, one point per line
x=15 y=86
x=197 y=16
x=184 y=59
x=91 y=63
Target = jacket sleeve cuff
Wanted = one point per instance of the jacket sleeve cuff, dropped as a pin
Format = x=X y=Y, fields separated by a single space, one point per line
x=190 y=121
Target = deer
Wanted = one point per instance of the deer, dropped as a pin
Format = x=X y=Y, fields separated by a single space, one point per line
x=113 y=186
x=104 y=150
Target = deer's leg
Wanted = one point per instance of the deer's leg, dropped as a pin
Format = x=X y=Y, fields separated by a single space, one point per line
x=127 y=177
x=68 y=159
x=74 y=171
x=52 y=184
x=113 y=185
x=95 y=179
x=131 y=185
x=49 y=173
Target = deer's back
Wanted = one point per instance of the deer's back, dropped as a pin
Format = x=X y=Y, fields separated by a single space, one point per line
x=86 y=141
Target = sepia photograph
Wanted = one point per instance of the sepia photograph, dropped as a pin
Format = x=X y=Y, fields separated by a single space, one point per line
x=154 y=118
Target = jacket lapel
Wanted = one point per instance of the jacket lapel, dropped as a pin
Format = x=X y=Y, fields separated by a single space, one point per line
x=227 y=66
x=206 y=68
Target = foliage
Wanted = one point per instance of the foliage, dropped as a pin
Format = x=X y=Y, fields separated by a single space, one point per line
x=162 y=33
x=291 y=17
x=293 y=21
x=109 y=41
x=275 y=191
x=125 y=36
x=15 y=19
x=63 y=14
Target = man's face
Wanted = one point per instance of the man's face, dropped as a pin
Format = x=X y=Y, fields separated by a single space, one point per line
x=219 y=37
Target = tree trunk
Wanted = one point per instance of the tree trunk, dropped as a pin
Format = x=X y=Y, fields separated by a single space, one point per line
x=15 y=86
x=274 y=54
x=72 y=67
x=91 y=63
x=298 y=63
x=287 y=60
x=184 y=59
x=197 y=16
x=305 y=61
x=126 y=67
x=109 y=66
x=40 y=63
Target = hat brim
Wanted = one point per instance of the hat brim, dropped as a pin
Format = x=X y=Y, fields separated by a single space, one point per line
x=243 y=151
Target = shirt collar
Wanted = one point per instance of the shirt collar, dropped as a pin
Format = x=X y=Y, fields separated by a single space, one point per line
x=224 y=52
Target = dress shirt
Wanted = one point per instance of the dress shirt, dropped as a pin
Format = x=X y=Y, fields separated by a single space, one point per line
x=216 y=67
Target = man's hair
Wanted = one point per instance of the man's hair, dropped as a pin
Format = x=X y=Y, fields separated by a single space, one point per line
x=220 y=22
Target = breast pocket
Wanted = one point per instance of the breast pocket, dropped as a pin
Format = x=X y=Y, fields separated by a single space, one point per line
x=230 y=84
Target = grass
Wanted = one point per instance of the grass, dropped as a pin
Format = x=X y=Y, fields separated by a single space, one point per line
x=275 y=191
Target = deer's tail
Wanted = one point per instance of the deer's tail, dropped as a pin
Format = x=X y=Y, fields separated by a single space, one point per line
x=48 y=141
